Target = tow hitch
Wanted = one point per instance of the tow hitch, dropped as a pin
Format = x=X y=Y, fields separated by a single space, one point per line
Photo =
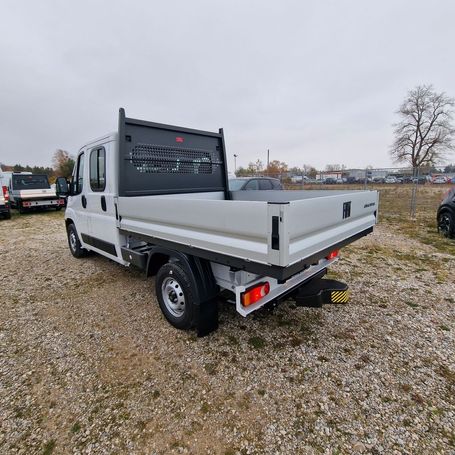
x=320 y=291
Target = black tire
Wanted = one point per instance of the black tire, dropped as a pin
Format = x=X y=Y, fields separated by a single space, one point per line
x=173 y=285
x=20 y=208
x=8 y=215
x=58 y=208
x=73 y=242
x=446 y=224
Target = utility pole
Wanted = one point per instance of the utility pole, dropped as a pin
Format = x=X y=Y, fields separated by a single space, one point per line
x=235 y=163
x=268 y=160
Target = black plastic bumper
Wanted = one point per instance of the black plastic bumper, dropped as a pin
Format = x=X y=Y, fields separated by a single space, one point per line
x=319 y=291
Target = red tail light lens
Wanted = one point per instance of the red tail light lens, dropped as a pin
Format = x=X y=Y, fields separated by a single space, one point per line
x=333 y=254
x=255 y=294
x=5 y=193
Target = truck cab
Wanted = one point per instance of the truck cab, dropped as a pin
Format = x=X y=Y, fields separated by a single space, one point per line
x=91 y=205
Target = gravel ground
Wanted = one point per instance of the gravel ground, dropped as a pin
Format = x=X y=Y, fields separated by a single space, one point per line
x=89 y=365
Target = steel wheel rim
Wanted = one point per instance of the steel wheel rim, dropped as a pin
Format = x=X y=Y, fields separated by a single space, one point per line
x=73 y=241
x=173 y=296
x=444 y=224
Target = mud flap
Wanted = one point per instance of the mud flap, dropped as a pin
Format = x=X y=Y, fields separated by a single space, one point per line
x=207 y=318
x=320 y=291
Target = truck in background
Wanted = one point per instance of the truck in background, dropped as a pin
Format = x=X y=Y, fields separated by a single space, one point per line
x=31 y=192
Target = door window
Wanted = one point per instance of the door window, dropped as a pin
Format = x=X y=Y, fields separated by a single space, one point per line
x=78 y=177
x=252 y=185
x=265 y=184
x=98 y=169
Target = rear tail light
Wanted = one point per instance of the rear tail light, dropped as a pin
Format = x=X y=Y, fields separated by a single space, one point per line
x=333 y=254
x=60 y=202
x=5 y=193
x=255 y=293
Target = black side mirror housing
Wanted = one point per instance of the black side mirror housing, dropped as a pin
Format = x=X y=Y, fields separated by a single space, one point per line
x=61 y=187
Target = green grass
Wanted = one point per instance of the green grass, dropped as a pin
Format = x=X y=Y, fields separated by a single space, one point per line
x=76 y=428
x=49 y=447
x=257 y=342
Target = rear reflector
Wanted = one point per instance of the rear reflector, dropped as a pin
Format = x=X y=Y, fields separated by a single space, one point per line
x=255 y=294
x=332 y=255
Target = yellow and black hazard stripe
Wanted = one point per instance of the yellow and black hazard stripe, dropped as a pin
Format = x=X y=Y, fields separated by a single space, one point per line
x=339 y=296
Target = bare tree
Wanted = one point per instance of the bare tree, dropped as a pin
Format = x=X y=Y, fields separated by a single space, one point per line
x=425 y=134
x=309 y=171
x=335 y=167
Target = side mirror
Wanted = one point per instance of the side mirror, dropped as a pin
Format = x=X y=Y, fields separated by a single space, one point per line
x=62 y=187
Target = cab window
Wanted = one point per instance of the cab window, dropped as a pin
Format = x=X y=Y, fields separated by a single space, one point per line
x=78 y=177
x=265 y=184
x=98 y=169
x=252 y=185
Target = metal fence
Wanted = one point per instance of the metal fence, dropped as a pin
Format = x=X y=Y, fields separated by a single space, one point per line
x=404 y=192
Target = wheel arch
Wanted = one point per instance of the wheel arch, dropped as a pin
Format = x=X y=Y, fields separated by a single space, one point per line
x=198 y=269
x=445 y=209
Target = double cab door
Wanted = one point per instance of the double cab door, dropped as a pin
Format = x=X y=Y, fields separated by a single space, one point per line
x=93 y=199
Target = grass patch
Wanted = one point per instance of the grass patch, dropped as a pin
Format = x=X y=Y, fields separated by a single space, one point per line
x=256 y=342
x=76 y=428
x=49 y=447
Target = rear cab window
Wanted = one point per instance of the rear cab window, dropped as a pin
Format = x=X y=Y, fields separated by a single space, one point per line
x=30 y=182
x=98 y=169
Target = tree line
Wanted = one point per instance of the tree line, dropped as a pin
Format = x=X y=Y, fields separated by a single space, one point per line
x=62 y=166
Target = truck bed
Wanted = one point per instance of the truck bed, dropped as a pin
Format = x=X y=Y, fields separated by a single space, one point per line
x=173 y=191
x=284 y=230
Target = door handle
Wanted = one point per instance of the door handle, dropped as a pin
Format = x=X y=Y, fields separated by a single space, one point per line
x=103 y=203
x=84 y=201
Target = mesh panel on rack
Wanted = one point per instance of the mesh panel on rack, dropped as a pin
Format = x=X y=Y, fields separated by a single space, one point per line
x=160 y=159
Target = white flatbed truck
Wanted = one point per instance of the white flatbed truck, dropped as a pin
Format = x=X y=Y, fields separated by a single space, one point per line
x=156 y=196
x=32 y=192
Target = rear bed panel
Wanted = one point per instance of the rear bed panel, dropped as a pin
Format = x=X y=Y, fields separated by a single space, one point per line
x=317 y=223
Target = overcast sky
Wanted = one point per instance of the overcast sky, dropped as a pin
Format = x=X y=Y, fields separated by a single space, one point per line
x=315 y=82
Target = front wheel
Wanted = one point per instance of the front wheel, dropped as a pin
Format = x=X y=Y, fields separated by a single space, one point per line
x=446 y=224
x=73 y=241
x=175 y=296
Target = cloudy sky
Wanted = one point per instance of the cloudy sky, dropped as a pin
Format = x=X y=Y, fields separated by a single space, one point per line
x=315 y=82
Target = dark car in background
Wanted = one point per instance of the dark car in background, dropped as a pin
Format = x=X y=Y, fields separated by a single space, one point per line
x=254 y=183
x=446 y=215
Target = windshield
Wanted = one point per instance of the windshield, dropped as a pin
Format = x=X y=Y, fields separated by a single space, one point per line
x=236 y=184
x=30 y=182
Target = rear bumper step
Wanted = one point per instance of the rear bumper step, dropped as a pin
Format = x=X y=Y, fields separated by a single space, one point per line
x=320 y=291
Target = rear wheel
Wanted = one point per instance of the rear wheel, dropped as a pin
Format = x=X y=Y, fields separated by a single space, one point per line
x=8 y=215
x=446 y=224
x=73 y=241
x=175 y=296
